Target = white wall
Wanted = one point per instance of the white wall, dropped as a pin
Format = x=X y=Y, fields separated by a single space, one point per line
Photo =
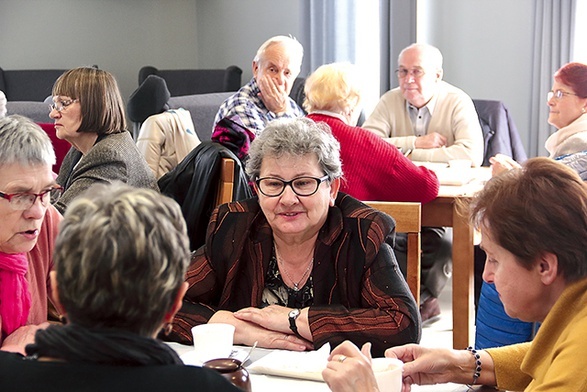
x=231 y=31
x=120 y=36
x=487 y=49
x=486 y=43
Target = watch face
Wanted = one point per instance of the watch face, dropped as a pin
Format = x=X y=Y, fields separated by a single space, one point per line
x=294 y=313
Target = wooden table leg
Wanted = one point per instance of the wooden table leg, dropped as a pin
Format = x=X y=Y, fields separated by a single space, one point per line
x=463 y=311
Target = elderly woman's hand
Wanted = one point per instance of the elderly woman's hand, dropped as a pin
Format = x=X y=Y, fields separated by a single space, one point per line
x=276 y=318
x=248 y=333
x=501 y=163
x=349 y=369
x=17 y=340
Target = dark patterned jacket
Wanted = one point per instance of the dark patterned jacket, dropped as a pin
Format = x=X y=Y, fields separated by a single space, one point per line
x=359 y=291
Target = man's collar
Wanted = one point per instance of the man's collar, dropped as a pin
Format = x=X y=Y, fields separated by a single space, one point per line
x=430 y=105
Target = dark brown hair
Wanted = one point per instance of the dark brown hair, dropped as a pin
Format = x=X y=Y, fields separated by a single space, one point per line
x=101 y=104
x=540 y=208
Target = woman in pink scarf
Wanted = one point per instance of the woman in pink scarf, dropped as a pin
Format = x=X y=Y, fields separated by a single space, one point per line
x=28 y=229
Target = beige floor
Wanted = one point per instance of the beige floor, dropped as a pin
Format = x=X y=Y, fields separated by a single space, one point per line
x=439 y=334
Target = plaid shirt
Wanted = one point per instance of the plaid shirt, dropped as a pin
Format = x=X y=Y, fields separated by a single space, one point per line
x=246 y=104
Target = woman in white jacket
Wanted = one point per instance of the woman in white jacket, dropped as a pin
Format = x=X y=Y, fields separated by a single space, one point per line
x=568 y=107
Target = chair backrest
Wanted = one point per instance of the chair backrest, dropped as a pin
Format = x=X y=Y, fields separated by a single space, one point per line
x=226 y=181
x=408 y=219
x=196 y=81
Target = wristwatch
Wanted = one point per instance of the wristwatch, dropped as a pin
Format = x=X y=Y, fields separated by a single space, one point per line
x=293 y=315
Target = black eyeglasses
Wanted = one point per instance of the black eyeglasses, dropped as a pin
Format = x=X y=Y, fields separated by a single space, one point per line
x=558 y=94
x=24 y=201
x=302 y=186
x=415 y=72
x=61 y=105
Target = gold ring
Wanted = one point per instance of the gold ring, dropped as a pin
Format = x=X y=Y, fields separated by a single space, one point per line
x=342 y=358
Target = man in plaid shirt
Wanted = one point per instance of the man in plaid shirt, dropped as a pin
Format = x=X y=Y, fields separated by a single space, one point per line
x=266 y=97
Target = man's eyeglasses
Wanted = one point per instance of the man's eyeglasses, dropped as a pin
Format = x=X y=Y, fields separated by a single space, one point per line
x=558 y=94
x=415 y=72
x=24 y=201
x=61 y=105
x=302 y=186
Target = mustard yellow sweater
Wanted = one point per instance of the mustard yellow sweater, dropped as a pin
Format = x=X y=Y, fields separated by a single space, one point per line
x=556 y=359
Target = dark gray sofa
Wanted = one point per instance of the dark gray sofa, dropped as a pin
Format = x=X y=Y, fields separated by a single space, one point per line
x=28 y=84
x=196 y=81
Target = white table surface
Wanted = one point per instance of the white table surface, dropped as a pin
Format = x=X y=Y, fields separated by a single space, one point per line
x=262 y=382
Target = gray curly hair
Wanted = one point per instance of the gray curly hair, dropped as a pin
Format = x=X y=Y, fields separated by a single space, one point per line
x=296 y=137
x=121 y=256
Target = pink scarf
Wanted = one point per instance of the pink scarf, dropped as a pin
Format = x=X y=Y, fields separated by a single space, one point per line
x=15 y=297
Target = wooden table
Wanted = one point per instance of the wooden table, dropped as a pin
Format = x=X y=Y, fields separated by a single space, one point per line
x=443 y=211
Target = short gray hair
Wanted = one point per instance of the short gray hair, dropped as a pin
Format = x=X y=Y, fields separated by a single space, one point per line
x=431 y=53
x=296 y=137
x=121 y=257
x=296 y=50
x=24 y=142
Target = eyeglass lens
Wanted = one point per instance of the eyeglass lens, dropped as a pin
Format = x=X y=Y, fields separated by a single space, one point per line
x=302 y=186
x=23 y=201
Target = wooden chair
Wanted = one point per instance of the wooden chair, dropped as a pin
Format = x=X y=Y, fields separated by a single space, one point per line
x=225 y=189
x=408 y=219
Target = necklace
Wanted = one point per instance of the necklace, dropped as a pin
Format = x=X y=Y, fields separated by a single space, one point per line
x=306 y=272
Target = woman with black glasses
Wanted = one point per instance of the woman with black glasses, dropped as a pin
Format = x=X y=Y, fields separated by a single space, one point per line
x=301 y=265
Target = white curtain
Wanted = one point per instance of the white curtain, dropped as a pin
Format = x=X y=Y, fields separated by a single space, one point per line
x=397 y=23
x=553 y=40
x=330 y=29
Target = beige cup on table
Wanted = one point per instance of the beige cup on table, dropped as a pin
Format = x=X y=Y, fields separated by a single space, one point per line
x=388 y=374
x=213 y=341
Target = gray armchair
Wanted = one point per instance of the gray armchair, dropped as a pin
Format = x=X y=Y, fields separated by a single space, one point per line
x=196 y=81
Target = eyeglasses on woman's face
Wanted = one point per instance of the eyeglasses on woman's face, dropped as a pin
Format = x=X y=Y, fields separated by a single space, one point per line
x=61 y=105
x=302 y=186
x=558 y=94
x=24 y=201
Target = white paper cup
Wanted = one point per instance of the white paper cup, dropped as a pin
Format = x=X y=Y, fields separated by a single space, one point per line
x=213 y=341
x=460 y=164
x=388 y=373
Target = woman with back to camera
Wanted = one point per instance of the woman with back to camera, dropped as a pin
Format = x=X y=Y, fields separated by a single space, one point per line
x=533 y=222
x=89 y=113
x=301 y=265
x=567 y=102
x=120 y=261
